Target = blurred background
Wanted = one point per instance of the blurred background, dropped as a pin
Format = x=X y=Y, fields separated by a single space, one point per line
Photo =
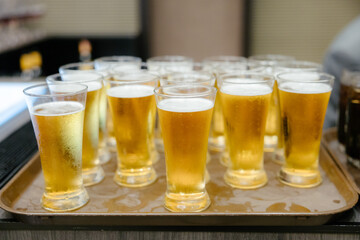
x=55 y=29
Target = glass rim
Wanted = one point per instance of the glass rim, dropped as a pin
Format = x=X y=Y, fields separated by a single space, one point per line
x=270 y=59
x=116 y=58
x=225 y=59
x=191 y=74
x=328 y=78
x=139 y=72
x=52 y=78
x=262 y=77
x=171 y=59
x=76 y=64
x=211 y=91
x=84 y=90
x=300 y=65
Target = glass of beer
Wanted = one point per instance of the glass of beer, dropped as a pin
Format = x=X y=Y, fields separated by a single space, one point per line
x=104 y=153
x=162 y=65
x=91 y=170
x=57 y=114
x=245 y=98
x=272 y=131
x=213 y=64
x=190 y=78
x=104 y=65
x=288 y=66
x=303 y=101
x=185 y=113
x=132 y=106
x=353 y=124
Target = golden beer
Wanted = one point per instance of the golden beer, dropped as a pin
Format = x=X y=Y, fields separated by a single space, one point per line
x=245 y=107
x=133 y=112
x=58 y=125
x=185 y=116
x=303 y=107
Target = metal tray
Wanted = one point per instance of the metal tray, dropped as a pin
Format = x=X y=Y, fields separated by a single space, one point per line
x=274 y=204
x=332 y=144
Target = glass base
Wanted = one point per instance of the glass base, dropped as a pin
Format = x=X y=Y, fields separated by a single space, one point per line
x=104 y=155
x=270 y=143
x=225 y=158
x=299 y=178
x=245 y=179
x=111 y=144
x=278 y=156
x=353 y=161
x=217 y=144
x=135 y=177
x=64 y=202
x=93 y=176
x=180 y=202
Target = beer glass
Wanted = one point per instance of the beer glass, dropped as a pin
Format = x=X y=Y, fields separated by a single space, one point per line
x=91 y=170
x=104 y=65
x=117 y=73
x=212 y=64
x=245 y=98
x=185 y=115
x=132 y=106
x=162 y=65
x=191 y=78
x=288 y=66
x=57 y=114
x=353 y=124
x=273 y=120
x=303 y=101
x=104 y=154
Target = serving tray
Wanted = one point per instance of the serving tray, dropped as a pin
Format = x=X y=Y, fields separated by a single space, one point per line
x=110 y=204
x=332 y=144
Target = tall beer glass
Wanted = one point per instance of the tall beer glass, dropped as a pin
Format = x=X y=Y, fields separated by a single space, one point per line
x=57 y=114
x=289 y=66
x=245 y=98
x=104 y=65
x=303 y=100
x=217 y=139
x=104 y=154
x=132 y=106
x=270 y=61
x=117 y=73
x=162 y=65
x=191 y=78
x=91 y=169
x=185 y=115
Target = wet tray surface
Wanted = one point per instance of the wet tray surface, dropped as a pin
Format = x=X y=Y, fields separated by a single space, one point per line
x=332 y=144
x=110 y=204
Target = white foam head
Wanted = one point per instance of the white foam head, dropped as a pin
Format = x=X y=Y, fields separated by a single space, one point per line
x=303 y=87
x=93 y=81
x=246 y=89
x=185 y=104
x=57 y=108
x=131 y=91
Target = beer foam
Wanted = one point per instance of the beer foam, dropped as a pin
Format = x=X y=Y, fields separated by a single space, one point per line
x=85 y=78
x=57 y=108
x=300 y=76
x=131 y=91
x=302 y=87
x=246 y=89
x=185 y=104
